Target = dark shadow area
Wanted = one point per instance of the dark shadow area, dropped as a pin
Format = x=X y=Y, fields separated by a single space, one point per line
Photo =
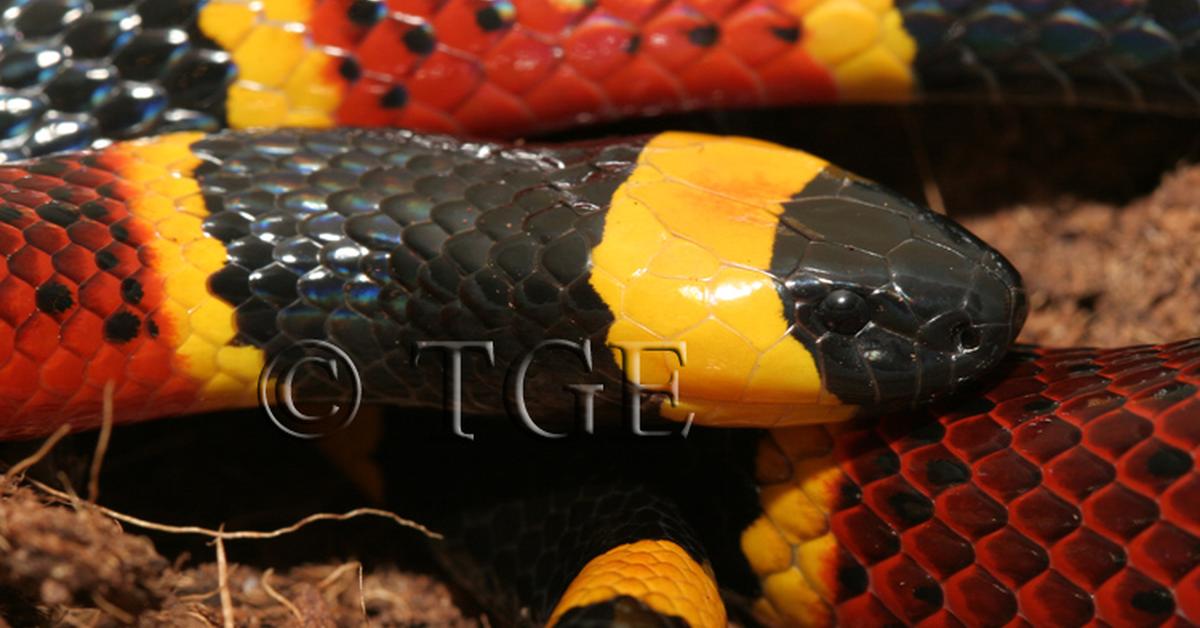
x=980 y=157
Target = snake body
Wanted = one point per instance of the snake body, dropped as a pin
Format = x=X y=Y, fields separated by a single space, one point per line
x=200 y=260
x=1060 y=489
x=1062 y=494
x=75 y=72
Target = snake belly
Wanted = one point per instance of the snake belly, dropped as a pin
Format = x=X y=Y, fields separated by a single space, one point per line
x=74 y=72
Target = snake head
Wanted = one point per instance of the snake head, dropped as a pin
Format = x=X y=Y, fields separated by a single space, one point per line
x=898 y=305
x=802 y=293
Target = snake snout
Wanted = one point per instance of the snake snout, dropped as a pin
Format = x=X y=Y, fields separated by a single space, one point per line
x=898 y=304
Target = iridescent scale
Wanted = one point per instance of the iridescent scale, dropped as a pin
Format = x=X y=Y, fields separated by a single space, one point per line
x=73 y=73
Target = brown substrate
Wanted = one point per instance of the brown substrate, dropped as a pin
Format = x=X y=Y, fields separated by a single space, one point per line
x=66 y=566
x=1109 y=254
x=1106 y=275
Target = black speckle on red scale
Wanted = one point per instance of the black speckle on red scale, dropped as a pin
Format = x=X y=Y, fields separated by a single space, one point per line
x=74 y=297
x=1061 y=499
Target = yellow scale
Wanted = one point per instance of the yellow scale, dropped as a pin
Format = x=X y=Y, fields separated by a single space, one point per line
x=283 y=79
x=201 y=325
x=687 y=245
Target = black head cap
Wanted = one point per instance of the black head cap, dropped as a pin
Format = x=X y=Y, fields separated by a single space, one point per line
x=898 y=305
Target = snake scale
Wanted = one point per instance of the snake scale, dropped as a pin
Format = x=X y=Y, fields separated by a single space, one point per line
x=897 y=466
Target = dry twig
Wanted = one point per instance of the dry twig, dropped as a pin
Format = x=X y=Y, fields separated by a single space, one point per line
x=278 y=597
x=37 y=456
x=106 y=423
x=223 y=583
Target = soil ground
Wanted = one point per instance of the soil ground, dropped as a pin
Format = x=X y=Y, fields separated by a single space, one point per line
x=1099 y=210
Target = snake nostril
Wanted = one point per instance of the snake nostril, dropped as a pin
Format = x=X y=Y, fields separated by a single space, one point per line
x=967 y=338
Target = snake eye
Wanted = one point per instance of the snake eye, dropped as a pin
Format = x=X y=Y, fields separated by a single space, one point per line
x=844 y=312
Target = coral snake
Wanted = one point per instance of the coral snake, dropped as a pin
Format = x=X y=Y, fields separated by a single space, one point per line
x=1048 y=487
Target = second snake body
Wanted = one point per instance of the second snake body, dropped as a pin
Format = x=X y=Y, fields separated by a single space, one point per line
x=73 y=72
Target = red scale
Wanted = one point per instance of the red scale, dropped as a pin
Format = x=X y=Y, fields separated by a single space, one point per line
x=1012 y=557
x=101 y=293
x=867 y=537
x=1158 y=399
x=31 y=265
x=444 y=80
x=1179 y=503
x=1086 y=408
x=976 y=437
x=1164 y=552
x=797 y=77
x=1087 y=558
x=1043 y=516
x=1142 y=379
x=416 y=115
x=920 y=463
x=665 y=38
x=1137 y=468
x=713 y=10
x=639 y=82
x=1005 y=475
x=749 y=33
x=1115 y=599
x=75 y=262
x=1179 y=426
x=552 y=17
x=490 y=109
x=1116 y=432
x=37 y=337
x=906 y=589
x=361 y=102
x=456 y=25
x=599 y=46
x=632 y=11
x=330 y=24
x=1077 y=474
x=720 y=78
x=82 y=333
x=415 y=8
x=1075 y=385
x=977 y=598
x=520 y=61
x=1120 y=513
x=58 y=362
x=383 y=51
x=867 y=610
x=563 y=94
x=938 y=549
x=7 y=338
x=62 y=374
x=39 y=183
x=1052 y=600
x=892 y=499
x=1044 y=438
x=970 y=512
